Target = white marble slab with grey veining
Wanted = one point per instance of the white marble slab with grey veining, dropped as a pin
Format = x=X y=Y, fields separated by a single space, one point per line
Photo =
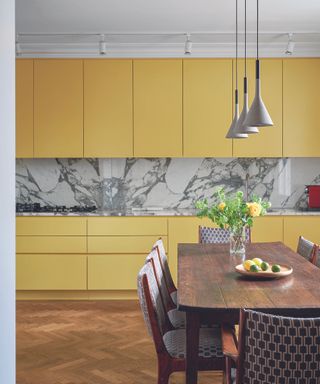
x=174 y=185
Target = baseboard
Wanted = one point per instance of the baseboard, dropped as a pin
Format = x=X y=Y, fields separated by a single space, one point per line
x=76 y=295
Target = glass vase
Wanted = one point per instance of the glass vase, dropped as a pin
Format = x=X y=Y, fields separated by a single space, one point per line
x=237 y=245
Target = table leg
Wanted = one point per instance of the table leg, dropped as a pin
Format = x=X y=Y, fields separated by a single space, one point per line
x=192 y=347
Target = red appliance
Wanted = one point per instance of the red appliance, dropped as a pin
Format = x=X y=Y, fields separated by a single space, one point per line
x=313 y=192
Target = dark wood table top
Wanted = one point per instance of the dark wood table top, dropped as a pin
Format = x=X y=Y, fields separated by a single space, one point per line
x=207 y=281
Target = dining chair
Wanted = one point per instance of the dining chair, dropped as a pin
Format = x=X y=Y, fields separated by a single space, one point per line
x=166 y=270
x=273 y=349
x=308 y=249
x=209 y=235
x=177 y=318
x=170 y=344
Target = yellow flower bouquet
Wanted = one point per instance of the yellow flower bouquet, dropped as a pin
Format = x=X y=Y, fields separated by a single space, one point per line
x=235 y=214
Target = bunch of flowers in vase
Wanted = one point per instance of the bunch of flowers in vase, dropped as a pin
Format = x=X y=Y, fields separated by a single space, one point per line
x=234 y=214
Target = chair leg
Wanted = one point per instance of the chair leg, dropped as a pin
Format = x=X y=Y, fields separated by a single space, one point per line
x=228 y=379
x=164 y=370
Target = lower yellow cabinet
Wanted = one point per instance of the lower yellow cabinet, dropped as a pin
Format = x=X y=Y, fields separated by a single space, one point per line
x=51 y=272
x=51 y=244
x=114 y=272
x=267 y=228
x=306 y=226
x=122 y=244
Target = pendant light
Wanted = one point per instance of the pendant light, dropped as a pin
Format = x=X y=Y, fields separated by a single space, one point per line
x=241 y=127
x=258 y=116
x=232 y=134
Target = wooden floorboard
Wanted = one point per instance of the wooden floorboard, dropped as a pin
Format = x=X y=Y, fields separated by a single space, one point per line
x=87 y=343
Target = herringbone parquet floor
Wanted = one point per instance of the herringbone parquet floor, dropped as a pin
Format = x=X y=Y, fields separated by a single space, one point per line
x=102 y=342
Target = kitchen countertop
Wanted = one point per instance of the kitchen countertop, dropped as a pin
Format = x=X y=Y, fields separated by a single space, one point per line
x=161 y=212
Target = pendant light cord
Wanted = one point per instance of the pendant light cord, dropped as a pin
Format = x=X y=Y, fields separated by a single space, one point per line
x=257 y=29
x=245 y=38
x=236 y=44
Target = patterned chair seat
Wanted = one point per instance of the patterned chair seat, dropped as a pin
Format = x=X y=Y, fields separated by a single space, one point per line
x=209 y=343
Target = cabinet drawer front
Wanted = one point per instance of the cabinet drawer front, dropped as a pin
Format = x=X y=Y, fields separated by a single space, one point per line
x=51 y=226
x=127 y=226
x=122 y=244
x=51 y=272
x=51 y=244
x=114 y=271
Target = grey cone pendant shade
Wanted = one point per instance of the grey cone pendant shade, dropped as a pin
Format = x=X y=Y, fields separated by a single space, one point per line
x=258 y=116
x=232 y=132
x=241 y=127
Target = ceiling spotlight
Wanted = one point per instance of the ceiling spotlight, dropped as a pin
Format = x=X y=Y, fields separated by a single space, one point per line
x=188 y=45
x=102 y=45
x=290 y=46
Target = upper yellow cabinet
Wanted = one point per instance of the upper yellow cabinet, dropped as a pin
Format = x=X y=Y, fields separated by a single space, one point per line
x=24 y=108
x=267 y=143
x=301 y=83
x=207 y=107
x=58 y=108
x=157 y=108
x=108 y=125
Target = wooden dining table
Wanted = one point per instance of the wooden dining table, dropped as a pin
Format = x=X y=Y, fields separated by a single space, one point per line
x=211 y=291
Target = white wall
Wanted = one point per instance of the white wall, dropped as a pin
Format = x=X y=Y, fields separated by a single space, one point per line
x=7 y=192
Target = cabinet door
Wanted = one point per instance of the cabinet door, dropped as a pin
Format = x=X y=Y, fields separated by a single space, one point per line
x=51 y=272
x=58 y=108
x=268 y=142
x=267 y=228
x=114 y=271
x=108 y=121
x=24 y=108
x=301 y=83
x=295 y=226
x=157 y=108
x=207 y=107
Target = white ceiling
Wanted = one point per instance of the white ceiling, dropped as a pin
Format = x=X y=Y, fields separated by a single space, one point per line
x=277 y=17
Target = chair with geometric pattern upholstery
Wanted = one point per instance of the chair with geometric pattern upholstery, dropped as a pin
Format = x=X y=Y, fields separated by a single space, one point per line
x=177 y=318
x=273 y=349
x=209 y=235
x=166 y=271
x=308 y=250
x=170 y=344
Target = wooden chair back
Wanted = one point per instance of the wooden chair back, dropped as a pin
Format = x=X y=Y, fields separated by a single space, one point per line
x=165 y=265
x=153 y=257
x=151 y=304
x=308 y=249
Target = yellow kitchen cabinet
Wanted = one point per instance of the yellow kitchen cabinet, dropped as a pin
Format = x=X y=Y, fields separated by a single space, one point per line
x=114 y=272
x=157 y=97
x=51 y=272
x=183 y=230
x=267 y=228
x=306 y=226
x=119 y=226
x=51 y=244
x=207 y=107
x=268 y=142
x=50 y=226
x=58 y=108
x=24 y=108
x=301 y=131
x=122 y=244
x=108 y=120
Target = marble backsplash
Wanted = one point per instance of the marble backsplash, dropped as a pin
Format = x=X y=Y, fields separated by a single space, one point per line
x=118 y=184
